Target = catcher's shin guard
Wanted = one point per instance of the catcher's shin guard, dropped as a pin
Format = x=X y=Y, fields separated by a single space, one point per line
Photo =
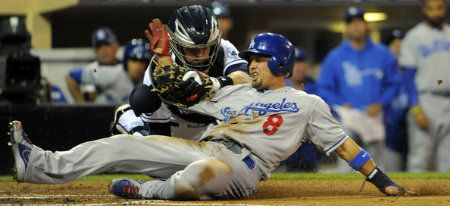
x=115 y=128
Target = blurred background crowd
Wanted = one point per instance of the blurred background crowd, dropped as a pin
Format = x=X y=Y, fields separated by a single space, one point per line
x=369 y=60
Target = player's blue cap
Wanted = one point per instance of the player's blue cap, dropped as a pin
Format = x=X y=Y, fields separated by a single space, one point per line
x=395 y=34
x=220 y=9
x=102 y=36
x=398 y=34
x=300 y=54
x=354 y=13
x=136 y=49
x=278 y=48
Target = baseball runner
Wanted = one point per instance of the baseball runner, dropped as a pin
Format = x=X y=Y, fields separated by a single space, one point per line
x=425 y=55
x=104 y=80
x=192 y=39
x=262 y=123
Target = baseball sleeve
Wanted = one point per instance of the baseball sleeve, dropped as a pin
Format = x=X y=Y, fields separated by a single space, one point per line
x=147 y=78
x=232 y=62
x=323 y=130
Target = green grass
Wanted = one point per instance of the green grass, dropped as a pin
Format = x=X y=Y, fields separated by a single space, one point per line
x=279 y=176
x=355 y=175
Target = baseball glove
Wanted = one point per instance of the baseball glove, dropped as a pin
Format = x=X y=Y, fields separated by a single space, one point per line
x=169 y=84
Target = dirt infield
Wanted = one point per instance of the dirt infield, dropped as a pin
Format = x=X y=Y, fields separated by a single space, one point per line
x=272 y=192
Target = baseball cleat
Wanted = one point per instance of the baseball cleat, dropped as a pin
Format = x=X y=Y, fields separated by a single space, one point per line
x=125 y=188
x=115 y=127
x=21 y=148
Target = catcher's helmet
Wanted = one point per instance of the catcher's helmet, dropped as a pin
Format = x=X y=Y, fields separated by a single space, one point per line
x=136 y=49
x=102 y=36
x=194 y=27
x=279 y=48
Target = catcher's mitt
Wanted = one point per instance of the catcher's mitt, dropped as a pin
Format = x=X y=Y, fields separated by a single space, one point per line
x=168 y=83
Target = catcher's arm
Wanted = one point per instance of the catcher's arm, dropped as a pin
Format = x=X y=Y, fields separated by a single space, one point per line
x=236 y=77
x=360 y=160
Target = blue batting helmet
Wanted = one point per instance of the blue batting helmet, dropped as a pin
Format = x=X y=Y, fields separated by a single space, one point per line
x=136 y=49
x=102 y=36
x=279 y=48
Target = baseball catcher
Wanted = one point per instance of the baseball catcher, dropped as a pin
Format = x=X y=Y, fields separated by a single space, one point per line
x=191 y=39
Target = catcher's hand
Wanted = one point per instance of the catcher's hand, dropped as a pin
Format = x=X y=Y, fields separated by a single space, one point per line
x=169 y=84
x=158 y=37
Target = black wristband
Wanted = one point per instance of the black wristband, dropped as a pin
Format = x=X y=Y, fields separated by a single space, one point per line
x=380 y=180
x=225 y=81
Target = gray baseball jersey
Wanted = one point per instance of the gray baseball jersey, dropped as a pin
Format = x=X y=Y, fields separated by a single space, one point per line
x=112 y=82
x=428 y=50
x=271 y=124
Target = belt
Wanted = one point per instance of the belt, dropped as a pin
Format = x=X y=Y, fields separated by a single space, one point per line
x=236 y=148
x=437 y=93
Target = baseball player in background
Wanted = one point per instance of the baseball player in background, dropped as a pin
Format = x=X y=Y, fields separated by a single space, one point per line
x=262 y=123
x=425 y=55
x=301 y=78
x=192 y=39
x=136 y=57
x=223 y=15
x=358 y=79
x=104 y=80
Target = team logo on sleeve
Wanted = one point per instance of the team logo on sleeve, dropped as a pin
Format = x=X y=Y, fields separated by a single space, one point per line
x=232 y=54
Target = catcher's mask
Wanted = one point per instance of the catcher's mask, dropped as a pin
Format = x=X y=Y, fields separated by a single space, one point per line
x=194 y=28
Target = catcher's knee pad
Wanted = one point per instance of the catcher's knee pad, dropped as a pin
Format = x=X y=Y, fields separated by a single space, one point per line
x=143 y=100
x=359 y=160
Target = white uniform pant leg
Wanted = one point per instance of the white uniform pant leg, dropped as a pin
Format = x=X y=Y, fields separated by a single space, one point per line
x=443 y=151
x=224 y=176
x=437 y=109
x=420 y=147
x=157 y=156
